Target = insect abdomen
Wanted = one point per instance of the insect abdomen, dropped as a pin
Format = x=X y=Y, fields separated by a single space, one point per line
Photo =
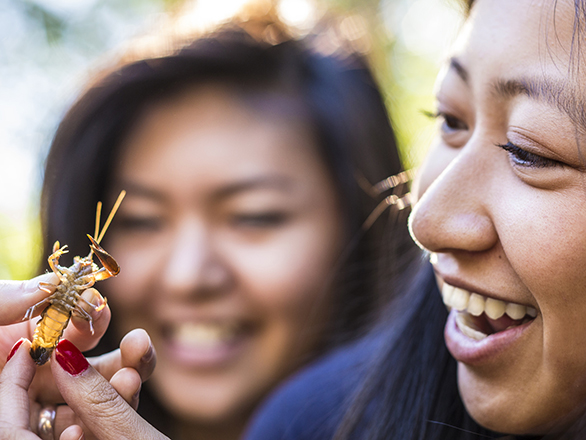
x=49 y=329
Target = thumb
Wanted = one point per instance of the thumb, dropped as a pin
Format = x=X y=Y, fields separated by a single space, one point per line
x=17 y=296
x=103 y=411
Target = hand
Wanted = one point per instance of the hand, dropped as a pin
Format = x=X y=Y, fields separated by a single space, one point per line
x=16 y=297
x=126 y=368
x=97 y=403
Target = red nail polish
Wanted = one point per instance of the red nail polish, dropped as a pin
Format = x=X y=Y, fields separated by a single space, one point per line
x=70 y=358
x=14 y=348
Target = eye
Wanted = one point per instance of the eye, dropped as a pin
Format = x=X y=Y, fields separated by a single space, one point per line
x=139 y=224
x=525 y=158
x=265 y=220
x=450 y=123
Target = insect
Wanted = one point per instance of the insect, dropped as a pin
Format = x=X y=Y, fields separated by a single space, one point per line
x=64 y=301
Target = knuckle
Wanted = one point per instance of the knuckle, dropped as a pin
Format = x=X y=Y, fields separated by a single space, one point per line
x=106 y=403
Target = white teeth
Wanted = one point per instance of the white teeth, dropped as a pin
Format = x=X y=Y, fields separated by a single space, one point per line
x=476 y=304
x=515 y=311
x=466 y=328
x=460 y=299
x=204 y=335
x=447 y=291
x=494 y=308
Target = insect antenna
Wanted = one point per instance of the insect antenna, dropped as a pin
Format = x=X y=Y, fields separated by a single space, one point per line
x=111 y=216
x=391 y=183
x=98 y=215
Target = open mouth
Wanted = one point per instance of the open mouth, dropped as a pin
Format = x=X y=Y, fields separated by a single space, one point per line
x=205 y=335
x=480 y=316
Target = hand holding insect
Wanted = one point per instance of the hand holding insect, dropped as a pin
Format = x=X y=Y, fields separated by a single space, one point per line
x=84 y=388
x=68 y=293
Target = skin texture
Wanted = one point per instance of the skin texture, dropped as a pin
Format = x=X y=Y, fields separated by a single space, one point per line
x=514 y=227
x=231 y=220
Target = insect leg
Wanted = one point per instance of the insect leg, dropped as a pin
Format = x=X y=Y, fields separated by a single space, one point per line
x=93 y=306
x=45 y=287
x=31 y=310
x=110 y=266
x=78 y=311
x=53 y=260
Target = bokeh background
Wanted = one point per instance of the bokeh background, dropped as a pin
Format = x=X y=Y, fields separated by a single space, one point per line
x=48 y=47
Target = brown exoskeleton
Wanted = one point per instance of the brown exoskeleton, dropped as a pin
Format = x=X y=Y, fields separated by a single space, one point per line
x=64 y=301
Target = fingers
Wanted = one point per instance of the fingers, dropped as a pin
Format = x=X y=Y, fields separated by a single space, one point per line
x=16 y=297
x=103 y=411
x=136 y=351
x=79 y=333
x=64 y=418
x=72 y=433
x=14 y=402
x=127 y=383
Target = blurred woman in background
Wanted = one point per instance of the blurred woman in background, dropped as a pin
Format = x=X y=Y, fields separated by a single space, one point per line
x=250 y=161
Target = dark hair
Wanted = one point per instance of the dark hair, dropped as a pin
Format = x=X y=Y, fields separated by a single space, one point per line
x=344 y=107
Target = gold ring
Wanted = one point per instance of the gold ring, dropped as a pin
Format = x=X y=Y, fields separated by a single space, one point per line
x=46 y=426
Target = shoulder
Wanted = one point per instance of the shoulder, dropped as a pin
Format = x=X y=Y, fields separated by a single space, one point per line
x=312 y=403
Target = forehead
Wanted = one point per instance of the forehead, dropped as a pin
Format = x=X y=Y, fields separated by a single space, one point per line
x=522 y=38
x=207 y=137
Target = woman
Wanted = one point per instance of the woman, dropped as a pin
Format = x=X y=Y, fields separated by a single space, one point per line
x=240 y=240
x=502 y=213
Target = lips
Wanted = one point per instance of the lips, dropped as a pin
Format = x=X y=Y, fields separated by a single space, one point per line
x=480 y=327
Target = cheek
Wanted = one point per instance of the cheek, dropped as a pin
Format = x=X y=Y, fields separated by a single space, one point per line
x=546 y=243
x=138 y=267
x=290 y=275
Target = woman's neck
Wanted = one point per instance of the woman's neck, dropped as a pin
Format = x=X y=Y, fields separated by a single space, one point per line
x=220 y=431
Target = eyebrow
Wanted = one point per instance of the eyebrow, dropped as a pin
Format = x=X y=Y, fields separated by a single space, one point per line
x=280 y=183
x=553 y=92
x=459 y=68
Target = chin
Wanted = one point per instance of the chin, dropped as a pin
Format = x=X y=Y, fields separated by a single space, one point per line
x=509 y=414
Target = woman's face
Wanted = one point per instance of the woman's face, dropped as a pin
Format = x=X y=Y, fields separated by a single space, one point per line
x=227 y=241
x=505 y=220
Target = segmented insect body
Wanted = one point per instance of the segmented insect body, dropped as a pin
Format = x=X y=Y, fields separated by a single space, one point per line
x=66 y=298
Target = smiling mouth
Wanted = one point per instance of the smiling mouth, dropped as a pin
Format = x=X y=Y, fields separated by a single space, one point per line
x=480 y=316
x=205 y=335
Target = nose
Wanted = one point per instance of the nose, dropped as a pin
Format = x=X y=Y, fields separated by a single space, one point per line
x=453 y=214
x=193 y=266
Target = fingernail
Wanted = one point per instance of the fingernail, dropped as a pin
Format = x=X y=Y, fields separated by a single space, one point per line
x=136 y=395
x=14 y=348
x=70 y=358
x=148 y=356
x=93 y=297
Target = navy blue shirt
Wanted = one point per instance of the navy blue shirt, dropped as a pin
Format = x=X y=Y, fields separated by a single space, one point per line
x=312 y=403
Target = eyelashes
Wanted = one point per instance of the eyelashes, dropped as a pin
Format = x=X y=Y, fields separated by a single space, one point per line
x=450 y=123
x=524 y=158
x=518 y=156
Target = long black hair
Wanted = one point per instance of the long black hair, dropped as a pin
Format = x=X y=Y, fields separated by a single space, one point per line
x=344 y=107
